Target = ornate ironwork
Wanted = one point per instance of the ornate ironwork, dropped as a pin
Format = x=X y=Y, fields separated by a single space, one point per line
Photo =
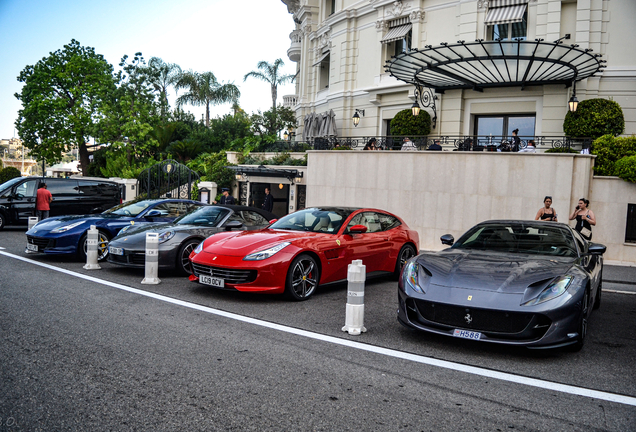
x=426 y=99
x=167 y=179
x=456 y=142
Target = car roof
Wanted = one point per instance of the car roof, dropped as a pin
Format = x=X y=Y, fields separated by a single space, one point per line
x=267 y=215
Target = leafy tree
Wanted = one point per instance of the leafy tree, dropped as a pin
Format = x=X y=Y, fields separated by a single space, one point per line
x=270 y=73
x=163 y=135
x=163 y=75
x=609 y=150
x=406 y=124
x=60 y=99
x=129 y=112
x=625 y=168
x=212 y=167
x=8 y=173
x=100 y=157
x=204 y=90
x=118 y=166
x=228 y=129
x=273 y=121
x=595 y=118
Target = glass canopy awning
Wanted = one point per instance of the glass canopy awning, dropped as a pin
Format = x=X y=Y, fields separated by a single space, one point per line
x=485 y=64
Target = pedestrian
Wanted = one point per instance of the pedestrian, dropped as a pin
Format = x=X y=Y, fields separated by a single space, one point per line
x=584 y=219
x=546 y=212
x=370 y=145
x=226 y=198
x=43 y=200
x=530 y=148
x=268 y=204
x=435 y=146
x=516 y=141
x=408 y=145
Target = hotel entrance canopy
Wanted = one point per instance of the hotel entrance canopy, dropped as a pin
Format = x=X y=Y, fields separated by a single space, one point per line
x=485 y=64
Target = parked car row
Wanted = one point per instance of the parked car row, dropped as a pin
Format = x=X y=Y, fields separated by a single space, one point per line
x=525 y=283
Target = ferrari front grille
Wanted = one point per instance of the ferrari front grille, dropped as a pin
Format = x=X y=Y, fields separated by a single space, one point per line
x=229 y=275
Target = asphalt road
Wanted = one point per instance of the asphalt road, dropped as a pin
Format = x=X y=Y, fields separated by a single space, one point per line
x=97 y=350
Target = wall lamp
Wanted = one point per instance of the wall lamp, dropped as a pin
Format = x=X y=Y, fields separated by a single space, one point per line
x=356 y=117
x=240 y=176
x=573 y=104
x=299 y=177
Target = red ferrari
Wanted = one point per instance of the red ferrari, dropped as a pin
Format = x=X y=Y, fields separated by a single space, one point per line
x=303 y=250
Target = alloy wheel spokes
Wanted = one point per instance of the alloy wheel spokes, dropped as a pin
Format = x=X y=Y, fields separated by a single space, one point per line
x=302 y=282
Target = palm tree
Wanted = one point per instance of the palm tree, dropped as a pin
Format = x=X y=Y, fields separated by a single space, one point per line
x=165 y=75
x=205 y=90
x=270 y=74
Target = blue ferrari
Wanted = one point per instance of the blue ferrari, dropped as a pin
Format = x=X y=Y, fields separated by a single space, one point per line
x=67 y=234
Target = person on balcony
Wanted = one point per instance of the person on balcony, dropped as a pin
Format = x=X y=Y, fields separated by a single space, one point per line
x=530 y=148
x=436 y=146
x=370 y=145
x=516 y=141
x=408 y=145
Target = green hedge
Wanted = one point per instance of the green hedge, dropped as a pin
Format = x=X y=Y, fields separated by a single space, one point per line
x=406 y=124
x=8 y=173
x=609 y=150
x=625 y=168
x=595 y=118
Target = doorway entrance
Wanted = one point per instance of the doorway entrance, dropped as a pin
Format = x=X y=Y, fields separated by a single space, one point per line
x=280 y=195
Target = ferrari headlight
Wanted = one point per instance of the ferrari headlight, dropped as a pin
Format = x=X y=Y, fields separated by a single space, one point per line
x=199 y=248
x=557 y=287
x=410 y=276
x=165 y=236
x=66 y=227
x=264 y=254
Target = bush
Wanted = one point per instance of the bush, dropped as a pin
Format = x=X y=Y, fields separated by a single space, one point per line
x=625 y=168
x=561 y=150
x=595 y=118
x=8 y=173
x=608 y=150
x=406 y=124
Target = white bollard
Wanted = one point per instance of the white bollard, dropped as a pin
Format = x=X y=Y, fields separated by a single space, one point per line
x=152 y=259
x=356 y=275
x=92 y=236
x=32 y=221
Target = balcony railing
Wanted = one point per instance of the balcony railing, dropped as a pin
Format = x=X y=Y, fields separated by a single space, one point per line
x=421 y=142
x=290 y=101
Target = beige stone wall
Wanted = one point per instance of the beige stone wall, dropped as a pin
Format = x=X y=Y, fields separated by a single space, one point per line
x=609 y=197
x=448 y=192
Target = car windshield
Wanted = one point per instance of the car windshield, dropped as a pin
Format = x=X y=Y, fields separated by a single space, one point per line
x=9 y=183
x=519 y=237
x=206 y=216
x=129 y=209
x=314 y=220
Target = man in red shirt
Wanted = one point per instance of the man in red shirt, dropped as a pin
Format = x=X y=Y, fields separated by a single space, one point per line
x=42 y=201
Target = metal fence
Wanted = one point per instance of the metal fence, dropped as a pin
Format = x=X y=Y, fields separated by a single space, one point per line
x=423 y=142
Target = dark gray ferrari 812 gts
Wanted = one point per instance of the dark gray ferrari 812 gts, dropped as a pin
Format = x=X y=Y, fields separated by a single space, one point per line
x=525 y=283
x=178 y=239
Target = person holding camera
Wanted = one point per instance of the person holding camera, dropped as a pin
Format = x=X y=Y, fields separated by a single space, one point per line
x=584 y=219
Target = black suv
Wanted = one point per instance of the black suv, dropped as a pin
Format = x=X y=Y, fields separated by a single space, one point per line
x=70 y=197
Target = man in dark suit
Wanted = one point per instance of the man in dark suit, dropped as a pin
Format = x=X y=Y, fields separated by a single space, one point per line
x=226 y=198
x=268 y=204
x=435 y=146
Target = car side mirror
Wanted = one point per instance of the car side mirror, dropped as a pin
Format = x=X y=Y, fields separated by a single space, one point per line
x=233 y=225
x=596 y=249
x=358 y=229
x=153 y=213
x=447 y=239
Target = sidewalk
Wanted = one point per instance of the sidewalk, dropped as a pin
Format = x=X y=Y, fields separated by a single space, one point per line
x=620 y=275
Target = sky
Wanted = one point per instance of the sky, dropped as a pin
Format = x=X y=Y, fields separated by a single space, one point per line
x=226 y=37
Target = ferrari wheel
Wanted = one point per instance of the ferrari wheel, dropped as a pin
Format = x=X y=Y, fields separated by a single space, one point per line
x=183 y=262
x=302 y=278
x=406 y=253
x=582 y=330
x=102 y=246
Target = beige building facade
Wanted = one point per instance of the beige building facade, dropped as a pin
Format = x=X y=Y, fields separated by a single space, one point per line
x=341 y=48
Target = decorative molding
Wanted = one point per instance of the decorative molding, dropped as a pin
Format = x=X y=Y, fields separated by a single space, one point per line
x=306 y=28
x=397 y=9
x=292 y=5
x=381 y=25
x=482 y=4
x=417 y=15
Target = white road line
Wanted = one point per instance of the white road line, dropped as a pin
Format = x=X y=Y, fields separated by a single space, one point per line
x=617 y=292
x=504 y=376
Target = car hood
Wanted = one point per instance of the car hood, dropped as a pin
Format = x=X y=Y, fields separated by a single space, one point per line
x=159 y=227
x=246 y=242
x=492 y=271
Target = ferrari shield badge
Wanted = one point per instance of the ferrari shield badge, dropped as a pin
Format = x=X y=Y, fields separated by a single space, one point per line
x=338 y=241
x=470 y=298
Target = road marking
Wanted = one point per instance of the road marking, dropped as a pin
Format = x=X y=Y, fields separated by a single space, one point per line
x=458 y=367
x=617 y=292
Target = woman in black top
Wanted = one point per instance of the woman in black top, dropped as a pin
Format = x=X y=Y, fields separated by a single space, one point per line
x=516 y=141
x=584 y=219
x=545 y=212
